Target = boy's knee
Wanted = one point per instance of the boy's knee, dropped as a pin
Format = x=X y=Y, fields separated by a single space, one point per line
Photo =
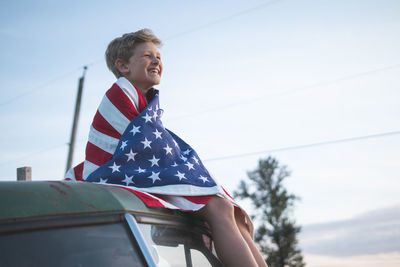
x=220 y=206
x=241 y=221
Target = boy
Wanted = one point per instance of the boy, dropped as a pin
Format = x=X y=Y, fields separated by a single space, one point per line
x=128 y=145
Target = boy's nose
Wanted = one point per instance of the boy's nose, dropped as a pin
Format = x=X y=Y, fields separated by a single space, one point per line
x=155 y=61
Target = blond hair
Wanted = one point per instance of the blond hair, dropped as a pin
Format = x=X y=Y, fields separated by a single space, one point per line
x=123 y=47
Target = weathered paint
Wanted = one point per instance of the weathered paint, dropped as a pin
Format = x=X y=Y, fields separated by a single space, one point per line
x=34 y=199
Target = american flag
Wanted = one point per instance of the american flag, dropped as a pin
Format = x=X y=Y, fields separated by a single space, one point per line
x=129 y=147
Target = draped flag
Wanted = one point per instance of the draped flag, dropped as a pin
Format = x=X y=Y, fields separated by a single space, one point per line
x=147 y=159
x=153 y=159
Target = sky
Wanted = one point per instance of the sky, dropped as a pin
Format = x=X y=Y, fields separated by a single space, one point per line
x=242 y=80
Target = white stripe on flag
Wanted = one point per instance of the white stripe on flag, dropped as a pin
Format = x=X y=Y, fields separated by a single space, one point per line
x=183 y=203
x=162 y=201
x=70 y=174
x=113 y=116
x=103 y=141
x=129 y=90
x=180 y=190
x=88 y=168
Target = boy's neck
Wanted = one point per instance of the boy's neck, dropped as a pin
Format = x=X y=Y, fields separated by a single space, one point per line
x=148 y=94
x=144 y=91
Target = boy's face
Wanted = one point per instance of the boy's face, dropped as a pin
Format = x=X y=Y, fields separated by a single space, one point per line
x=144 y=68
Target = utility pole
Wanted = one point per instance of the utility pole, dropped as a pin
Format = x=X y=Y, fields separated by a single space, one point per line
x=24 y=174
x=76 y=117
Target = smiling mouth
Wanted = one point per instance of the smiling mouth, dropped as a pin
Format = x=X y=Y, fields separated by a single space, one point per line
x=154 y=71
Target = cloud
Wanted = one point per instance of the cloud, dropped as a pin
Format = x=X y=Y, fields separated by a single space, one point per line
x=371 y=233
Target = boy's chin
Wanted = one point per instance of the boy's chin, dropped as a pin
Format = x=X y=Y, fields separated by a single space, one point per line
x=156 y=82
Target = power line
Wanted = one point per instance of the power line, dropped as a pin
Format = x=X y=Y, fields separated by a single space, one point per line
x=351 y=139
x=290 y=91
x=211 y=23
x=33 y=154
x=208 y=24
x=344 y=78
x=297 y=147
x=220 y=20
x=38 y=88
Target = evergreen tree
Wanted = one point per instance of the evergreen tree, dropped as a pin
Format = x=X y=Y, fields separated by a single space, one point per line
x=276 y=233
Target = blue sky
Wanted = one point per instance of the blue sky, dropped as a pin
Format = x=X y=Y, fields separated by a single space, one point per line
x=239 y=77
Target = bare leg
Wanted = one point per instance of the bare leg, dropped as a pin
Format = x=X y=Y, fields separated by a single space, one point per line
x=240 y=222
x=231 y=246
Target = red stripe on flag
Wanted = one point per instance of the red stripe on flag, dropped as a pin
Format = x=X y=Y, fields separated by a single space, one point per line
x=147 y=199
x=227 y=193
x=101 y=125
x=78 y=170
x=121 y=101
x=142 y=100
x=96 y=155
x=198 y=199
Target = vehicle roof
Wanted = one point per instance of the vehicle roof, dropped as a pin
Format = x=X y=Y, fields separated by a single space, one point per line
x=26 y=199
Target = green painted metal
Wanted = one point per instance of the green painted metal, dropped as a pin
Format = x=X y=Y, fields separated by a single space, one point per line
x=49 y=198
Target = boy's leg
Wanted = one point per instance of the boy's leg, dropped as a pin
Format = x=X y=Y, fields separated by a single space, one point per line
x=230 y=244
x=241 y=224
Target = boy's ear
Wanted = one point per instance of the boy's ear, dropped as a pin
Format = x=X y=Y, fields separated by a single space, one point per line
x=121 y=65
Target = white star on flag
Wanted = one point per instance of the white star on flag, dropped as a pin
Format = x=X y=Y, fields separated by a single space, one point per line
x=180 y=175
x=115 y=167
x=183 y=158
x=186 y=152
x=146 y=143
x=203 y=178
x=124 y=144
x=103 y=181
x=154 y=161
x=176 y=144
x=168 y=150
x=189 y=165
x=131 y=156
x=147 y=117
x=128 y=180
x=154 y=176
x=157 y=134
x=140 y=170
x=135 y=130
x=155 y=115
x=196 y=159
